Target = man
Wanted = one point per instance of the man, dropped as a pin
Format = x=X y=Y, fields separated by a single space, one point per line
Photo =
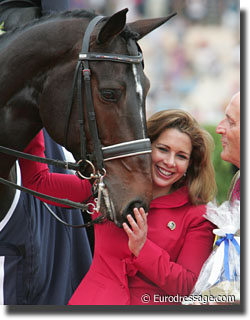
x=229 y=129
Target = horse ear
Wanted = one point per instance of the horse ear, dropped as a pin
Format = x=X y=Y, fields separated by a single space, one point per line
x=145 y=26
x=113 y=26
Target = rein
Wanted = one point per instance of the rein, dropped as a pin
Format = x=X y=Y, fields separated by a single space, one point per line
x=100 y=154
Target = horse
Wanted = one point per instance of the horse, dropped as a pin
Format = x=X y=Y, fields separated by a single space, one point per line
x=38 y=67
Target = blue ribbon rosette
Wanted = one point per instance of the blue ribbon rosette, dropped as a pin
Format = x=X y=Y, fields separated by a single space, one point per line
x=226 y=257
x=220 y=274
x=229 y=237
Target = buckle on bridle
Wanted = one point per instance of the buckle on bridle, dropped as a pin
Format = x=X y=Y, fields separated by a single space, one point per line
x=86 y=74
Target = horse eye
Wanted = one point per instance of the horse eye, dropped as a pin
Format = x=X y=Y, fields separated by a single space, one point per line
x=109 y=95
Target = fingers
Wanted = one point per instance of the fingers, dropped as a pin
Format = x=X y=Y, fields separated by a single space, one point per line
x=132 y=223
x=140 y=221
x=140 y=217
x=136 y=230
x=127 y=229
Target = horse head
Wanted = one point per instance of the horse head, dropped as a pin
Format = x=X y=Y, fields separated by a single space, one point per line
x=118 y=92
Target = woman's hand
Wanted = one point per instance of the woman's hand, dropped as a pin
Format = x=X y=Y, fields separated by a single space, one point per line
x=137 y=233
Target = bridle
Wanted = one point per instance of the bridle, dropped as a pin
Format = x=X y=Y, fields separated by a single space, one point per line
x=100 y=154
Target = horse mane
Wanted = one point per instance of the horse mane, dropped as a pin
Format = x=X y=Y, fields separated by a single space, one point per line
x=61 y=15
x=127 y=33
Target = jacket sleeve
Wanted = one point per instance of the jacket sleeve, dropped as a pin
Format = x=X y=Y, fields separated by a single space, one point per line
x=177 y=277
x=36 y=176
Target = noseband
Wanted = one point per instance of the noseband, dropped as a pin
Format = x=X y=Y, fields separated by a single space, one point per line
x=82 y=77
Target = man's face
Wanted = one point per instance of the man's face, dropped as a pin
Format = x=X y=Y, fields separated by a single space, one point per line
x=229 y=129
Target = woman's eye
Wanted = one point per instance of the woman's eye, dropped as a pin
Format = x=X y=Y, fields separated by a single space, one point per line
x=163 y=149
x=183 y=157
x=110 y=95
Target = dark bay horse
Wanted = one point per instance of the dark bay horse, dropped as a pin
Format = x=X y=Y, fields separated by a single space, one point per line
x=37 y=64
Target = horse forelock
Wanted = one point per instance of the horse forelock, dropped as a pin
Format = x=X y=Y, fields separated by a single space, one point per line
x=127 y=34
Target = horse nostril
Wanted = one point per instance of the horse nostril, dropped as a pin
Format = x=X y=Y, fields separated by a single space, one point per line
x=129 y=209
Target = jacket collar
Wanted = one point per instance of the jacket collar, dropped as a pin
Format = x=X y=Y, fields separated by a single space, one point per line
x=175 y=199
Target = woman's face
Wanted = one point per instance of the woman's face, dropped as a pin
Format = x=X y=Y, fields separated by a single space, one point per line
x=170 y=159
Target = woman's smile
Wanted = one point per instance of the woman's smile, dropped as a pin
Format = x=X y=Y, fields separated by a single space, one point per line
x=163 y=172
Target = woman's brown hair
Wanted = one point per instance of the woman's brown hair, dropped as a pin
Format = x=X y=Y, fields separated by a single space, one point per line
x=200 y=177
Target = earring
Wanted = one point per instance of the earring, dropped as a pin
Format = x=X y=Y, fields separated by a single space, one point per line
x=185 y=174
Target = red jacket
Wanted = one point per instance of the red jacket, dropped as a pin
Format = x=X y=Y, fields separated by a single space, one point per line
x=36 y=176
x=169 y=262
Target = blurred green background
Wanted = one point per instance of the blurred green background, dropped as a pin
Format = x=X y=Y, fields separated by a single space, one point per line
x=224 y=171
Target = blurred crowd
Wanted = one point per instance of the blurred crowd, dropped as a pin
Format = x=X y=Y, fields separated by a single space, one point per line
x=193 y=61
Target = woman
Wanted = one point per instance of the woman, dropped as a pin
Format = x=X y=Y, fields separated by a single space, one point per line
x=156 y=259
